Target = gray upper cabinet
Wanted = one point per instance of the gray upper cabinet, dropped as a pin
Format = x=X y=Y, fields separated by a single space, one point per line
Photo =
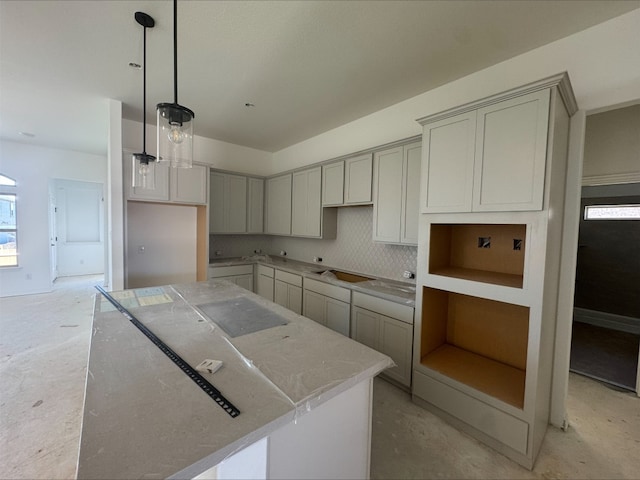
x=227 y=203
x=278 y=205
x=488 y=159
x=255 y=206
x=347 y=182
x=396 y=194
x=306 y=208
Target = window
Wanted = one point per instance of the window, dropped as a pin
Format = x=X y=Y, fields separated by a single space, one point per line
x=612 y=212
x=8 y=223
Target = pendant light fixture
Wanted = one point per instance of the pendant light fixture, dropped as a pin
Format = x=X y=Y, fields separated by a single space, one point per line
x=142 y=174
x=175 y=122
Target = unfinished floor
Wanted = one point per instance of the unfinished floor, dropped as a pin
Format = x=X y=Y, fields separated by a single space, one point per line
x=44 y=342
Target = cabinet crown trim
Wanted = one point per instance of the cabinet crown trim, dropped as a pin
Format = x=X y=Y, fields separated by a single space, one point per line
x=560 y=80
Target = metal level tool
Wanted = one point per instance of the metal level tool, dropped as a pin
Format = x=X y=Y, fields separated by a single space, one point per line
x=202 y=382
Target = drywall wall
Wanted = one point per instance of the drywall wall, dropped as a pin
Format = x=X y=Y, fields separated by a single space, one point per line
x=161 y=244
x=114 y=271
x=612 y=147
x=603 y=64
x=208 y=151
x=33 y=168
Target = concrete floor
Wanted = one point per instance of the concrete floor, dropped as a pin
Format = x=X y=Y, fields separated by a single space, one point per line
x=44 y=343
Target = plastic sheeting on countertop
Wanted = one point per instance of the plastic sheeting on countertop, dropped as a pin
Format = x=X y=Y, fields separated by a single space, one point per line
x=136 y=397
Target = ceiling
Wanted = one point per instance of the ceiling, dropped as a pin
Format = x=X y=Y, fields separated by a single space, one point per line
x=308 y=66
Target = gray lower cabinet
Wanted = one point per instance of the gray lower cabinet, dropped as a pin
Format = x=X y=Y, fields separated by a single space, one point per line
x=389 y=335
x=288 y=291
x=264 y=282
x=327 y=304
x=241 y=275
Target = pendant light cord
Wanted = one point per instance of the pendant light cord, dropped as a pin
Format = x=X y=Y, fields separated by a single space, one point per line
x=175 y=51
x=144 y=91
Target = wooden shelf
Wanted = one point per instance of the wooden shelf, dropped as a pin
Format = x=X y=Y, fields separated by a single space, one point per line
x=484 y=276
x=487 y=253
x=497 y=379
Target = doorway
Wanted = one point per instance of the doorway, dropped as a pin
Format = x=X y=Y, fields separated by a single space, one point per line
x=76 y=228
x=606 y=327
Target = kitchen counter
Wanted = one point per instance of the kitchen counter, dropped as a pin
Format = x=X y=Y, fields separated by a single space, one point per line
x=392 y=290
x=144 y=418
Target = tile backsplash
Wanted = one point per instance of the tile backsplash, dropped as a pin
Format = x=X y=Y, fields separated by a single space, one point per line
x=352 y=249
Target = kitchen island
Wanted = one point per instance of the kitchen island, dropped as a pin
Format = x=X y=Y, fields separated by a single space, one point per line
x=304 y=392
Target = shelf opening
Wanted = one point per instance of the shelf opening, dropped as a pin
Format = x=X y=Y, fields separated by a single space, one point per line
x=488 y=253
x=479 y=342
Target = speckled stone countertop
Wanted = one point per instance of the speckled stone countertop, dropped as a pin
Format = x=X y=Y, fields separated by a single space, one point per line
x=391 y=290
x=144 y=418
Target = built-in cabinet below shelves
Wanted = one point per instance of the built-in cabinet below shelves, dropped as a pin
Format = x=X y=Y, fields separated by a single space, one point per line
x=396 y=202
x=493 y=186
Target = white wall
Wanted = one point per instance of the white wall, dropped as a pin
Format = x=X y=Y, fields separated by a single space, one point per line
x=114 y=272
x=603 y=64
x=168 y=235
x=612 y=147
x=217 y=154
x=33 y=167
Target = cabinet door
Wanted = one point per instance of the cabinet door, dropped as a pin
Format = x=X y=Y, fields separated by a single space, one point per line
x=265 y=287
x=216 y=203
x=294 y=298
x=396 y=340
x=365 y=327
x=357 y=179
x=314 y=305
x=511 y=146
x=255 y=210
x=411 y=193
x=447 y=172
x=189 y=185
x=333 y=184
x=279 y=205
x=387 y=204
x=306 y=205
x=160 y=173
x=245 y=281
x=337 y=315
x=235 y=204
x=281 y=293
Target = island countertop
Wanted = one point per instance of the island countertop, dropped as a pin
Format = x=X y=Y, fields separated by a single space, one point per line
x=144 y=418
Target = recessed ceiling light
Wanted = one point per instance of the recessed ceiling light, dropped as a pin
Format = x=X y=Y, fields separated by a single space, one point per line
x=135 y=65
x=249 y=104
x=27 y=134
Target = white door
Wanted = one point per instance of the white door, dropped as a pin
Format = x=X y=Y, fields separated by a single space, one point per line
x=79 y=227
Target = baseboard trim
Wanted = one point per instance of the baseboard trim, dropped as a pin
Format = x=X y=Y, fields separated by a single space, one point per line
x=607 y=320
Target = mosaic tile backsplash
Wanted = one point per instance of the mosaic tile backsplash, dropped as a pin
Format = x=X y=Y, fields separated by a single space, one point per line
x=353 y=248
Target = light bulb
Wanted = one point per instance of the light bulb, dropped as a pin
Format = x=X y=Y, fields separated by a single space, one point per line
x=175 y=134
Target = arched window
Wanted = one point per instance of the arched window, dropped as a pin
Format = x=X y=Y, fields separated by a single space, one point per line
x=8 y=223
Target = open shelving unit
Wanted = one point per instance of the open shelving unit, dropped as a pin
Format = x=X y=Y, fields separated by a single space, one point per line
x=494 y=174
x=481 y=343
x=479 y=252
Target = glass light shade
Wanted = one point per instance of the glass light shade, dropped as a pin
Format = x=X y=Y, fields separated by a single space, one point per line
x=143 y=173
x=175 y=135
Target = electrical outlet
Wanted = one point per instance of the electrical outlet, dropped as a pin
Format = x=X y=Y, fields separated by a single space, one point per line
x=317 y=259
x=408 y=274
x=283 y=253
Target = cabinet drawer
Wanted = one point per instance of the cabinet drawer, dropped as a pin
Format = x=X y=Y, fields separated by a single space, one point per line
x=503 y=427
x=385 y=307
x=333 y=291
x=217 y=272
x=289 y=278
x=266 y=271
